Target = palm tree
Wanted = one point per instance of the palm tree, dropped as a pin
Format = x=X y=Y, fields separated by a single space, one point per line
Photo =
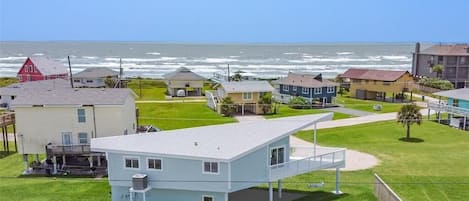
x=408 y=115
x=438 y=69
x=266 y=103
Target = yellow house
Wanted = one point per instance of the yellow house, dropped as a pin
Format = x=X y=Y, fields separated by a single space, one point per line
x=244 y=94
x=378 y=84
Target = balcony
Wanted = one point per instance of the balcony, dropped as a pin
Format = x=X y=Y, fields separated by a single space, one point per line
x=441 y=107
x=303 y=161
x=68 y=149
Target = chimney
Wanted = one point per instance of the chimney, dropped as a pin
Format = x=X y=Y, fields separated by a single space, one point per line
x=417 y=47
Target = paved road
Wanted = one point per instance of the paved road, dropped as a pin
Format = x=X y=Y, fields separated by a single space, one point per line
x=357 y=113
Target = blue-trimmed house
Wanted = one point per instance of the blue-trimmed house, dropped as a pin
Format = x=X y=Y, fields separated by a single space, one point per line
x=210 y=163
x=313 y=88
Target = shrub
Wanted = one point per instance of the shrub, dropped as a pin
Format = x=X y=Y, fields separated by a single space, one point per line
x=436 y=83
x=298 y=103
x=227 y=107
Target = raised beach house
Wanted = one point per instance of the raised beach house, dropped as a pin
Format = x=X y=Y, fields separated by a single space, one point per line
x=378 y=84
x=62 y=122
x=94 y=77
x=184 y=82
x=40 y=68
x=210 y=163
x=454 y=58
x=457 y=107
x=313 y=88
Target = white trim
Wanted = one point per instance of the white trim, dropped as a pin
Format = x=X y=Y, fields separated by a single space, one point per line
x=285 y=87
x=250 y=96
x=330 y=90
x=87 y=138
x=303 y=90
x=208 y=196
x=293 y=88
x=229 y=175
x=319 y=91
x=284 y=154
x=130 y=158
x=218 y=167
x=154 y=169
x=67 y=133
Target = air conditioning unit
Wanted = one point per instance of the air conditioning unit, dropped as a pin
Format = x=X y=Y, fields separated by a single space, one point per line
x=139 y=181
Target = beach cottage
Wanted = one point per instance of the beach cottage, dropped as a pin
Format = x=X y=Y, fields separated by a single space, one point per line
x=184 y=82
x=40 y=68
x=62 y=122
x=212 y=162
x=313 y=88
x=94 y=77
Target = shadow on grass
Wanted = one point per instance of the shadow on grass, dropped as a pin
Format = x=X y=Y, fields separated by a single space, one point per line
x=321 y=196
x=4 y=154
x=261 y=193
x=412 y=140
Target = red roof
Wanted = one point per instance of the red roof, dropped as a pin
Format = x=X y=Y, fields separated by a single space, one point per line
x=368 y=74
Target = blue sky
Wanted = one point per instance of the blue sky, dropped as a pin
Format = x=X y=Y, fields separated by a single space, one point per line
x=236 y=21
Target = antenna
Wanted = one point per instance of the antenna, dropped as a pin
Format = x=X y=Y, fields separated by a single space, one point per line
x=70 y=69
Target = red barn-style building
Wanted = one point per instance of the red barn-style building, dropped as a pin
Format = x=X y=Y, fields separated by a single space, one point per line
x=39 y=68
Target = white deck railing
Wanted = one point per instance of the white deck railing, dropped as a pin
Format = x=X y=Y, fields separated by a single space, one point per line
x=333 y=158
x=211 y=102
x=441 y=107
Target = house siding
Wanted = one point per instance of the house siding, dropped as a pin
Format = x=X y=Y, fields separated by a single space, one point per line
x=237 y=98
x=397 y=86
x=175 y=85
x=310 y=95
x=457 y=73
x=120 y=193
x=461 y=103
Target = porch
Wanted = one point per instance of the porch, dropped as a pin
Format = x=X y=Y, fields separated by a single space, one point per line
x=460 y=122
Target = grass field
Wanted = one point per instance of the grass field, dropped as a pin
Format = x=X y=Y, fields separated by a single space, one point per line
x=169 y=116
x=435 y=169
x=367 y=105
x=151 y=89
x=285 y=111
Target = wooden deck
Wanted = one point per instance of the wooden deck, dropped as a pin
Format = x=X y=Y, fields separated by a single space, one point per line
x=7 y=119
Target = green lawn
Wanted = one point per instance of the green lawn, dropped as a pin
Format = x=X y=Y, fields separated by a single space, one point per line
x=285 y=111
x=435 y=169
x=151 y=89
x=367 y=105
x=169 y=116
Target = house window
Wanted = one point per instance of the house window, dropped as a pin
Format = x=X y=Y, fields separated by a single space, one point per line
x=464 y=60
x=317 y=90
x=131 y=162
x=277 y=155
x=210 y=167
x=154 y=164
x=386 y=83
x=12 y=97
x=293 y=88
x=26 y=69
x=81 y=115
x=247 y=95
x=31 y=68
x=305 y=90
x=75 y=80
x=440 y=59
x=452 y=60
x=285 y=87
x=330 y=90
x=208 y=198
x=28 y=77
x=83 y=138
x=455 y=102
x=89 y=81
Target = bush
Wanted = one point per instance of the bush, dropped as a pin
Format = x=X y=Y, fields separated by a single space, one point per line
x=227 y=107
x=266 y=103
x=436 y=83
x=298 y=103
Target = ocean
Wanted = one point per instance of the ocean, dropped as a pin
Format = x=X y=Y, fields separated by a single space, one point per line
x=152 y=60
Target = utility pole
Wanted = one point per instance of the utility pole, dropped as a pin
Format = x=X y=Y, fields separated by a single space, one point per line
x=70 y=69
x=229 y=73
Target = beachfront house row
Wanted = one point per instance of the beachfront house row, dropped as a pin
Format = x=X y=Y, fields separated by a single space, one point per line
x=40 y=68
x=313 y=88
x=62 y=122
x=371 y=84
x=210 y=163
x=184 y=82
x=457 y=107
x=454 y=58
x=244 y=94
x=94 y=77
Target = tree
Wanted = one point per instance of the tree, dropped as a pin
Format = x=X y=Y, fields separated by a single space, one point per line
x=438 y=69
x=408 y=115
x=110 y=82
x=237 y=76
x=227 y=107
x=298 y=103
x=266 y=103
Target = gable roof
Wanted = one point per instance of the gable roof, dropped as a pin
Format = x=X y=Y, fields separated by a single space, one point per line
x=182 y=74
x=96 y=72
x=306 y=80
x=48 y=66
x=221 y=142
x=448 y=50
x=460 y=94
x=247 y=86
x=73 y=96
x=371 y=74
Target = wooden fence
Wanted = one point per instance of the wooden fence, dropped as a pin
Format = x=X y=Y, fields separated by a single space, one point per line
x=383 y=192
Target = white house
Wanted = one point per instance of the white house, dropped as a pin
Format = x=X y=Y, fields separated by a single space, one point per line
x=209 y=163
x=62 y=122
x=94 y=77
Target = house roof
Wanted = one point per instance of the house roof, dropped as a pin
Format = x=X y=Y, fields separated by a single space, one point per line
x=182 y=74
x=96 y=72
x=306 y=80
x=247 y=86
x=73 y=96
x=221 y=142
x=14 y=89
x=449 y=50
x=460 y=94
x=48 y=66
x=371 y=74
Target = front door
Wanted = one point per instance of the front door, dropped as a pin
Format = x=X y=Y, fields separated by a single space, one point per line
x=66 y=138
